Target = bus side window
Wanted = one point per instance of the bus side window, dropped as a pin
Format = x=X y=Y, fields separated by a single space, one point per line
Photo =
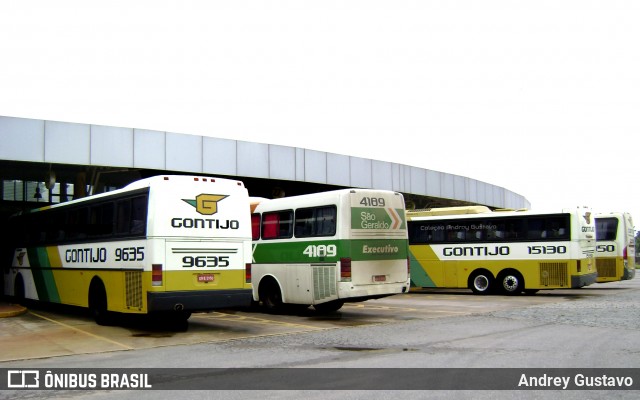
x=270 y=222
x=419 y=233
x=101 y=220
x=326 y=221
x=475 y=235
x=55 y=231
x=286 y=224
x=77 y=223
x=277 y=224
x=514 y=230
x=139 y=215
x=535 y=228
x=457 y=236
x=557 y=228
x=304 y=225
x=437 y=236
x=123 y=217
x=316 y=221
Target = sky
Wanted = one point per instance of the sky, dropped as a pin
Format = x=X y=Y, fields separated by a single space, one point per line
x=539 y=97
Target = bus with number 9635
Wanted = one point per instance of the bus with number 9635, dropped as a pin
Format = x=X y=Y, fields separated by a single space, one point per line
x=166 y=245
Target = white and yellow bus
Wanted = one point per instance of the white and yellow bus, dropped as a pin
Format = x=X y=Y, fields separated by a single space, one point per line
x=615 y=247
x=325 y=249
x=166 y=245
x=505 y=251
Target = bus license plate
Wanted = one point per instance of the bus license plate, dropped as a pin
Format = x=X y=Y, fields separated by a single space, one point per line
x=206 y=278
x=379 y=278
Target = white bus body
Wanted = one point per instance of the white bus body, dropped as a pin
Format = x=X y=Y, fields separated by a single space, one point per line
x=328 y=248
x=167 y=244
x=615 y=247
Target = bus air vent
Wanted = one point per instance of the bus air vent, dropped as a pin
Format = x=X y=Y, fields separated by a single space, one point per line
x=133 y=286
x=606 y=267
x=324 y=281
x=554 y=274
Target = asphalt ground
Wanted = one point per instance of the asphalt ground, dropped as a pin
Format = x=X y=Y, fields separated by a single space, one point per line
x=44 y=331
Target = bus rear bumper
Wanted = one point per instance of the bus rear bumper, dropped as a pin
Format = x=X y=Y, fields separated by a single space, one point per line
x=198 y=300
x=583 y=280
x=349 y=293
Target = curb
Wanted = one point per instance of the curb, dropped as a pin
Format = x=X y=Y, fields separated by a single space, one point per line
x=11 y=310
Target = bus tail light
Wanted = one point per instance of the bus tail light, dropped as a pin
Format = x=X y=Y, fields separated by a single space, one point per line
x=408 y=266
x=345 y=269
x=579 y=267
x=624 y=253
x=156 y=275
x=247 y=273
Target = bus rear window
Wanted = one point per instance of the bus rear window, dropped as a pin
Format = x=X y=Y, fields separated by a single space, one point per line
x=606 y=228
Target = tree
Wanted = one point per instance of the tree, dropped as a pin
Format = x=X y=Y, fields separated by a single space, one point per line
x=637 y=255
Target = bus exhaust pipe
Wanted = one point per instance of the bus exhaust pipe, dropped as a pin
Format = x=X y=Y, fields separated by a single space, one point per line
x=178 y=307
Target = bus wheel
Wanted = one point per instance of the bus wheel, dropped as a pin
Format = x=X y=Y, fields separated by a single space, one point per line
x=480 y=282
x=329 y=307
x=98 y=303
x=18 y=290
x=271 y=296
x=511 y=282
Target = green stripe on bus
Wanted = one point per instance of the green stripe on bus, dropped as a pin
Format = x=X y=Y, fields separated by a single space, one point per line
x=419 y=277
x=377 y=218
x=333 y=250
x=42 y=274
x=299 y=252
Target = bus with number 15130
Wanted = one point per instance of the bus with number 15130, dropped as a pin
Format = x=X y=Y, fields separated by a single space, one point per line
x=509 y=252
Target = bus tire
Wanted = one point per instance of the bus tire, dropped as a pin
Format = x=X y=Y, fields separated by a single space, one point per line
x=271 y=296
x=98 y=302
x=511 y=282
x=18 y=290
x=328 y=307
x=178 y=321
x=481 y=282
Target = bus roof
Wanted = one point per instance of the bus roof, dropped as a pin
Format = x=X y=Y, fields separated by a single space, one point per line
x=431 y=212
x=139 y=184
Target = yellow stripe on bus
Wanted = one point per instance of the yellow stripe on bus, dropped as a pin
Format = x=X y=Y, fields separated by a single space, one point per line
x=54 y=257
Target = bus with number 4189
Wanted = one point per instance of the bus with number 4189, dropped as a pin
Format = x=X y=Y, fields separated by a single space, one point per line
x=325 y=249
